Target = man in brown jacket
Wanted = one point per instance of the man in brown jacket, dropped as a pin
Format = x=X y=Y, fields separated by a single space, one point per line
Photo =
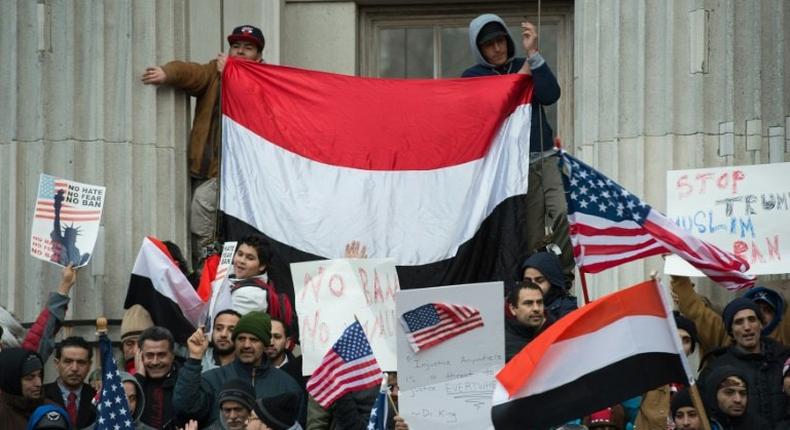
x=202 y=81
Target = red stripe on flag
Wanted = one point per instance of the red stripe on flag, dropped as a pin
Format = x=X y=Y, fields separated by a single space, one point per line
x=639 y=300
x=341 y=124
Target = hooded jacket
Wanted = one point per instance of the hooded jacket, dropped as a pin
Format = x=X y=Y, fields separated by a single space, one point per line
x=15 y=409
x=558 y=300
x=763 y=372
x=545 y=91
x=750 y=420
x=138 y=411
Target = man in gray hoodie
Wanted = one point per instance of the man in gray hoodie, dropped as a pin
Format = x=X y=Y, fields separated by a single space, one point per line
x=494 y=52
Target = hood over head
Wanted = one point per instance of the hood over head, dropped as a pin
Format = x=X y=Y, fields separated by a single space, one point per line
x=16 y=363
x=475 y=28
x=549 y=265
x=127 y=377
x=711 y=386
x=774 y=300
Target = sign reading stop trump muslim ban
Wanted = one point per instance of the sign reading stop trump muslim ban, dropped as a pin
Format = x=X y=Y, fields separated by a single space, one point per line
x=449 y=385
x=742 y=209
x=66 y=221
x=331 y=293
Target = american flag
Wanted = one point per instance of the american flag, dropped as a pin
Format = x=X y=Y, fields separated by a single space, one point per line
x=348 y=366
x=378 y=415
x=47 y=188
x=610 y=226
x=433 y=323
x=114 y=413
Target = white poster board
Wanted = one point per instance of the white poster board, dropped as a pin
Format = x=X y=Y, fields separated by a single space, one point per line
x=740 y=209
x=450 y=385
x=330 y=293
x=66 y=221
x=225 y=260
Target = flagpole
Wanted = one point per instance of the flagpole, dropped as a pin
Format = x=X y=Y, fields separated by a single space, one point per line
x=584 y=286
x=696 y=400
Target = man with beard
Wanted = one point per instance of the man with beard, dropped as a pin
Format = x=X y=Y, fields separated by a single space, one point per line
x=727 y=395
x=73 y=357
x=21 y=375
x=222 y=351
x=758 y=357
x=195 y=393
x=525 y=302
x=279 y=352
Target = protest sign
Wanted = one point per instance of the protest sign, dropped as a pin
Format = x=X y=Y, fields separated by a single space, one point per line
x=331 y=293
x=66 y=221
x=450 y=385
x=740 y=209
x=225 y=260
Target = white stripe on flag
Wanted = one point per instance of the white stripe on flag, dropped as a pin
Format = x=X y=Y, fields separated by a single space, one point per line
x=438 y=210
x=626 y=337
x=168 y=280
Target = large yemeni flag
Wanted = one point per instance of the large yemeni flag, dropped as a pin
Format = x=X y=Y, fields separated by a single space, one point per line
x=157 y=284
x=431 y=173
x=614 y=348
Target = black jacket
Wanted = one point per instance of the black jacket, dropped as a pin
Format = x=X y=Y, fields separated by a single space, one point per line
x=764 y=373
x=517 y=335
x=86 y=412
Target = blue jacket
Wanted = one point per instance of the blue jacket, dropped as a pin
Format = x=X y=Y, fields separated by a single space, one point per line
x=545 y=91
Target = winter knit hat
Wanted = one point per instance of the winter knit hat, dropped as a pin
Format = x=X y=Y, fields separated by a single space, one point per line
x=135 y=320
x=237 y=391
x=688 y=325
x=774 y=300
x=736 y=305
x=681 y=399
x=278 y=412
x=256 y=323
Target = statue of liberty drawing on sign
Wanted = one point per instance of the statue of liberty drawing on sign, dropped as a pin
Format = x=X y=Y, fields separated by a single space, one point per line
x=64 y=239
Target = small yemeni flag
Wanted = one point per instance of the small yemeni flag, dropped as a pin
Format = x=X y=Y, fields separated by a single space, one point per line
x=113 y=407
x=348 y=366
x=612 y=349
x=610 y=226
x=430 y=173
x=433 y=323
x=378 y=415
x=157 y=284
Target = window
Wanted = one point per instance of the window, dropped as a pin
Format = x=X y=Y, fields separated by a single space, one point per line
x=433 y=42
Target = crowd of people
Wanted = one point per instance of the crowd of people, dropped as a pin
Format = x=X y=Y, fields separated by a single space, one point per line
x=246 y=373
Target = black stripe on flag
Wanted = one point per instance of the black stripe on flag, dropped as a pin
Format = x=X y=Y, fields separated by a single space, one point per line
x=164 y=312
x=592 y=392
x=494 y=253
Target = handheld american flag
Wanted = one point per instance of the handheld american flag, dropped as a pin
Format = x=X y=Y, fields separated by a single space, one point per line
x=114 y=413
x=433 y=323
x=380 y=410
x=348 y=366
x=610 y=226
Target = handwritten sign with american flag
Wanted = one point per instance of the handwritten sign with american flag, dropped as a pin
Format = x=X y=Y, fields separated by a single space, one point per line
x=434 y=323
x=66 y=221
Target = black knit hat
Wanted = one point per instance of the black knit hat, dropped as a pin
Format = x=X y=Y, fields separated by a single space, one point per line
x=681 y=399
x=736 y=305
x=239 y=391
x=278 y=412
x=688 y=325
